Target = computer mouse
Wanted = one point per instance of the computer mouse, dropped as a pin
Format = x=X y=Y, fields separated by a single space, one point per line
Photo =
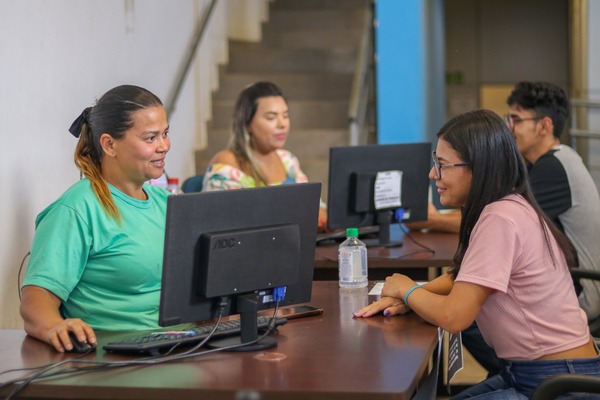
x=80 y=347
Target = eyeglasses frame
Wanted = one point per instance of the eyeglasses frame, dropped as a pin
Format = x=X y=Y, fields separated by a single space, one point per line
x=512 y=121
x=438 y=167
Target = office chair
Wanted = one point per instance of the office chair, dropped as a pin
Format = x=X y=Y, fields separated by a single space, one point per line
x=578 y=273
x=559 y=384
x=193 y=184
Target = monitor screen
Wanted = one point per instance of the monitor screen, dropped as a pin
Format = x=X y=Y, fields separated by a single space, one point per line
x=237 y=246
x=378 y=185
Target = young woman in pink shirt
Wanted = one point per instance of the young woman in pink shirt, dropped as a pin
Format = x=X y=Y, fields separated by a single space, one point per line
x=510 y=271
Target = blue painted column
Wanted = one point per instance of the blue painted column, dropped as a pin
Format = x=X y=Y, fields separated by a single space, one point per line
x=409 y=70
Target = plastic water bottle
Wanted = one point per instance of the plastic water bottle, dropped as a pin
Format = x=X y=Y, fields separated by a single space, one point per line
x=173 y=186
x=159 y=182
x=352 y=261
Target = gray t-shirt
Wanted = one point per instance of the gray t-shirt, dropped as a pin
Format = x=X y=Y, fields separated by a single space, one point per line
x=566 y=192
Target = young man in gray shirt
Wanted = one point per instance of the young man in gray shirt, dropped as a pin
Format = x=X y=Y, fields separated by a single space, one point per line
x=561 y=183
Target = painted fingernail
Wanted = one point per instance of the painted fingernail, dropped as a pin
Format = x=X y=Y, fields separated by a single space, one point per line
x=386 y=313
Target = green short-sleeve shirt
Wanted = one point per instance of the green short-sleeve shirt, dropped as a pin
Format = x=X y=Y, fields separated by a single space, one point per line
x=106 y=273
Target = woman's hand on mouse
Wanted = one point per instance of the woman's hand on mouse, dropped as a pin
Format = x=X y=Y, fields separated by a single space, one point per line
x=58 y=336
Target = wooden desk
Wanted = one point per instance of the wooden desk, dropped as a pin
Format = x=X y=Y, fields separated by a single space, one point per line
x=409 y=258
x=330 y=356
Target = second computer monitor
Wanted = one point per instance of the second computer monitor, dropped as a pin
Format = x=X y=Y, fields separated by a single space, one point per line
x=378 y=185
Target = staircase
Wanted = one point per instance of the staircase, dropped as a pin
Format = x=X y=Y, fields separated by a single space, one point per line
x=309 y=50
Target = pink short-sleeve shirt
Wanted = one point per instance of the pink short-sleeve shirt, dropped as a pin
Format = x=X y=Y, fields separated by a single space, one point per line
x=533 y=310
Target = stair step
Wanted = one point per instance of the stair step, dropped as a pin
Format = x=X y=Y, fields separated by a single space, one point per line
x=304 y=114
x=318 y=86
x=309 y=19
x=312 y=39
x=254 y=57
x=303 y=142
x=318 y=4
x=317 y=170
x=218 y=139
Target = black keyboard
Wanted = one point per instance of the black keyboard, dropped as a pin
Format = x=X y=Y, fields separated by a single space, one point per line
x=157 y=341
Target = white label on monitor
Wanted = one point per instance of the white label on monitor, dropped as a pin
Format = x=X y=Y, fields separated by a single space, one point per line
x=388 y=189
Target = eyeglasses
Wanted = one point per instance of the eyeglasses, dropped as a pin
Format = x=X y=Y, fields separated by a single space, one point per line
x=438 y=167
x=512 y=120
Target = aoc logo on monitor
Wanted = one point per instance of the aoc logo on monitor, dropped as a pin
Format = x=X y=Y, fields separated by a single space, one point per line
x=225 y=243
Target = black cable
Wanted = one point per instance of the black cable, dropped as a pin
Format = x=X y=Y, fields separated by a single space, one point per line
x=41 y=366
x=34 y=376
x=19 y=274
x=42 y=371
x=409 y=236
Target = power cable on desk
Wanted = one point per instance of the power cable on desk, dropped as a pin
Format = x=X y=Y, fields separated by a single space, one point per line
x=42 y=371
x=407 y=234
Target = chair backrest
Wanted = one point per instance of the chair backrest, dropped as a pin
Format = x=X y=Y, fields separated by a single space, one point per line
x=193 y=184
x=556 y=385
x=581 y=274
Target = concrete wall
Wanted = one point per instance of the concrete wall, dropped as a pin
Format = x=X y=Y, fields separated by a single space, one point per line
x=492 y=44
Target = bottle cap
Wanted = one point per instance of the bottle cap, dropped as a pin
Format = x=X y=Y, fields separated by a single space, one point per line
x=173 y=180
x=352 y=232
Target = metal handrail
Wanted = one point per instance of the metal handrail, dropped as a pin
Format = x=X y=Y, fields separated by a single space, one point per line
x=359 y=95
x=585 y=103
x=189 y=58
x=574 y=130
x=578 y=130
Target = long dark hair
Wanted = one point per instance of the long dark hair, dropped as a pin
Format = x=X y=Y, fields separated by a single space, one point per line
x=482 y=139
x=240 y=143
x=112 y=114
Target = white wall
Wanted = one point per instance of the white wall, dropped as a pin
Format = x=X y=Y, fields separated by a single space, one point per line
x=57 y=57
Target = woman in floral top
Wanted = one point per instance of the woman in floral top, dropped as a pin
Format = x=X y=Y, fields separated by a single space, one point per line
x=255 y=155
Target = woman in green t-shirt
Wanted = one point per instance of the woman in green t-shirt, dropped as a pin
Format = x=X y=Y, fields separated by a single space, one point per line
x=95 y=262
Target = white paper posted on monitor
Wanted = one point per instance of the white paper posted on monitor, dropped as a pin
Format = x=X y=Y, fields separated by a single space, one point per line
x=388 y=189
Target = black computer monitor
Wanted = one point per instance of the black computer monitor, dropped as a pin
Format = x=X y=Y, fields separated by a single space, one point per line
x=378 y=185
x=235 y=247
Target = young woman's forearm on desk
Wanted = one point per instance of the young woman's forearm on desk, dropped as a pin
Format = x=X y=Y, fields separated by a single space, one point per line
x=441 y=285
x=40 y=312
x=440 y=302
x=391 y=303
x=451 y=306
x=453 y=312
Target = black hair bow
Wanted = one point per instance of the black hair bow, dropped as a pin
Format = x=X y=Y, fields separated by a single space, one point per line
x=75 y=128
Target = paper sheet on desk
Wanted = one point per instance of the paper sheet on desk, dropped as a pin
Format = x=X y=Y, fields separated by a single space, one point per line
x=376 y=290
x=378 y=287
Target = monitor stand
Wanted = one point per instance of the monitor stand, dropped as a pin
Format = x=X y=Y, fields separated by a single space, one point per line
x=384 y=220
x=247 y=306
